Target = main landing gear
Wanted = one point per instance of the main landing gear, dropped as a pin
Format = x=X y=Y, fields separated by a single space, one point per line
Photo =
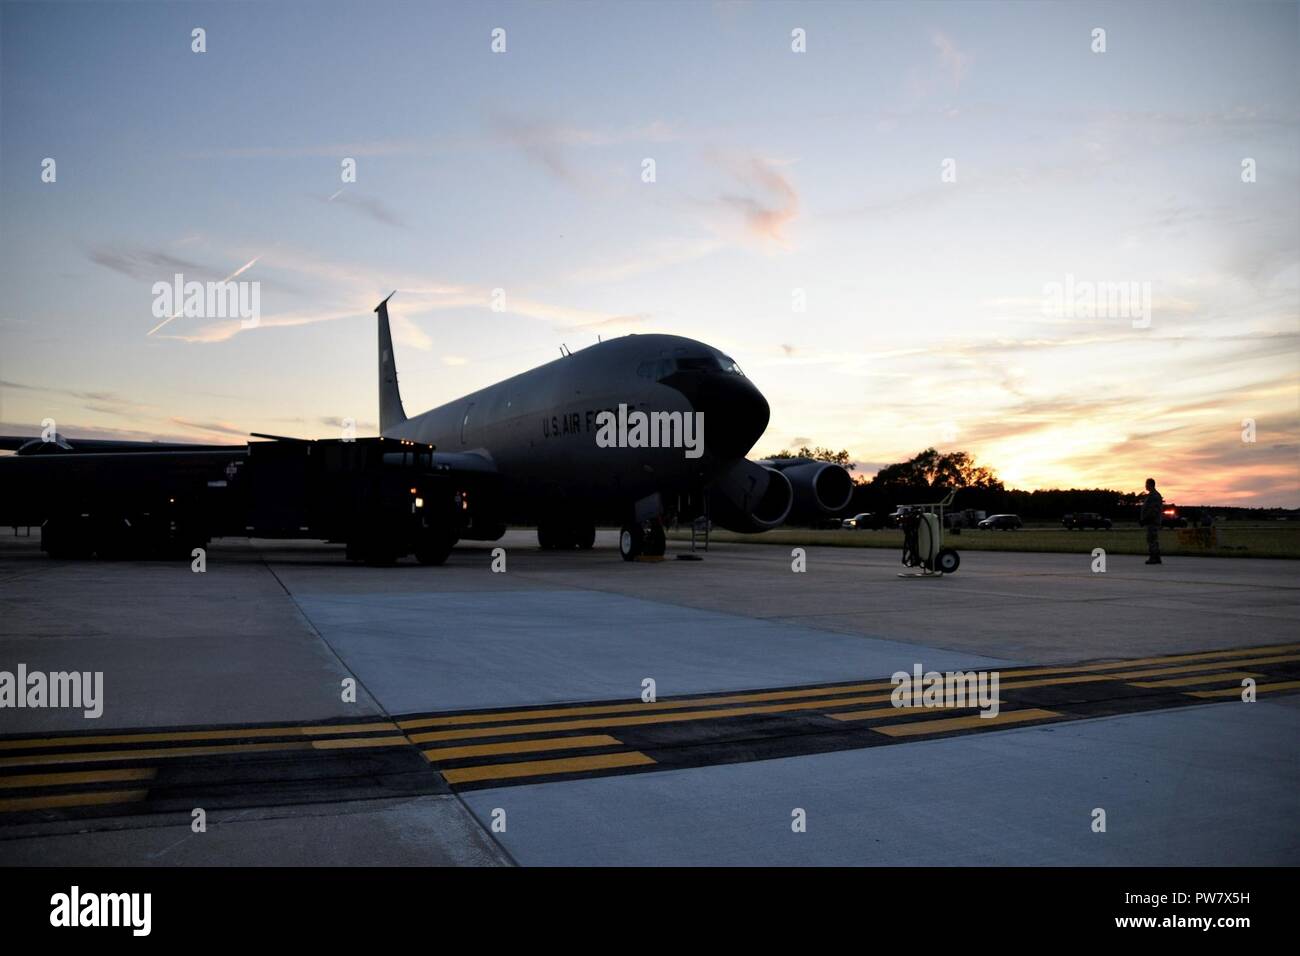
x=560 y=535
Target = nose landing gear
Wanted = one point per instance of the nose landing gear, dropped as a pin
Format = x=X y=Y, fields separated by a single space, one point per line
x=642 y=539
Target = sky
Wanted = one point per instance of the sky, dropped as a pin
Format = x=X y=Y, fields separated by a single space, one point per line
x=876 y=227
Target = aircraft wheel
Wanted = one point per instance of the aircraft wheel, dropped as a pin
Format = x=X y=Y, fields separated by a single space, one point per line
x=947 y=561
x=631 y=541
x=66 y=537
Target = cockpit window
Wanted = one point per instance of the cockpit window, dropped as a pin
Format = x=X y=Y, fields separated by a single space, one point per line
x=711 y=362
x=699 y=363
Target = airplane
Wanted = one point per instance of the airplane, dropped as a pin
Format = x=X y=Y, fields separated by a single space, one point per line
x=633 y=431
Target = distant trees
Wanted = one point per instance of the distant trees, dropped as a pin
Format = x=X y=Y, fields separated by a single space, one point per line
x=930 y=475
x=931 y=469
x=841 y=457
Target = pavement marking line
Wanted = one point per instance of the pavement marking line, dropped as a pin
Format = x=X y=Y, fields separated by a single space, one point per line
x=1195 y=679
x=97 y=798
x=488 y=717
x=1134 y=675
x=436 y=754
x=881 y=713
x=357 y=743
x=1236 y=691
x=164 y=752
x=81 y=776
x=1158 y=671
x=469 y=733
x=164 y=736
x=916 y=727
x=541 y=768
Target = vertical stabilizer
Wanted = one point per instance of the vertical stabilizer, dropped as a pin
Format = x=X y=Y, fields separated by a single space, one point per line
x=390 y=398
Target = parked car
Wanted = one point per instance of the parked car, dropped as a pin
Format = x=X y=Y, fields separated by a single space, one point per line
x=966 y=518
x=897 y=515
x=1002 y=523
x=866 y=521
x=1085 y=519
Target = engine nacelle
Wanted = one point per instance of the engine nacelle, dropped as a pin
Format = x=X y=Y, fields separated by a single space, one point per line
x=749 y=498
x=821 y=488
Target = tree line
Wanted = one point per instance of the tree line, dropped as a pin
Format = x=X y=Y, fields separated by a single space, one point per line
x=931 y=474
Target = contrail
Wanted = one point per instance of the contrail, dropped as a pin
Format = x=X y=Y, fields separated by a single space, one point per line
x=247 y=265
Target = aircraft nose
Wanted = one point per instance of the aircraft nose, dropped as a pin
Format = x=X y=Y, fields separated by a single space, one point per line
x=735 y=412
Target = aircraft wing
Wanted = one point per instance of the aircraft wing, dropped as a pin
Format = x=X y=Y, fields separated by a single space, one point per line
x=30 y=444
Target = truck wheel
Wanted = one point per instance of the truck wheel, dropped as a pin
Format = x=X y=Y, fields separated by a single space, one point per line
x=434 y=548
x=947 y=561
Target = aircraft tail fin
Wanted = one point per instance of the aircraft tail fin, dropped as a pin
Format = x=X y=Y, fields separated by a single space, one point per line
x=390 y=397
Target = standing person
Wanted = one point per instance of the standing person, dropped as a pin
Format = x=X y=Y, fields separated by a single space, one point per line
x=1153 y=508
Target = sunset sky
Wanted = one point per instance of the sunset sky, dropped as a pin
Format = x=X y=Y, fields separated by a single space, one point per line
x=928 y=319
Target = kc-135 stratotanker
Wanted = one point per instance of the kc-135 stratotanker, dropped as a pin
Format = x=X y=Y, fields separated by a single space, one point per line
x=635 y=431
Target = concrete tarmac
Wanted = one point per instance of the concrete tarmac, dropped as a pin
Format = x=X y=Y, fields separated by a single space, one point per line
x=275 y=632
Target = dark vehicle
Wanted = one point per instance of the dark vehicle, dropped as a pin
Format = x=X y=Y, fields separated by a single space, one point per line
x=1085 y=519
x=895 y=519
x=867 y=521
x=1170 y=518
x=1002 y=523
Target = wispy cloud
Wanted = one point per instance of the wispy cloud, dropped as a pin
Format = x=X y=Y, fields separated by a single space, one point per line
x=554 y=145
x=761 y=194
x=148 y=264
x=954 y=62
x=218 y=428
x=368 y=206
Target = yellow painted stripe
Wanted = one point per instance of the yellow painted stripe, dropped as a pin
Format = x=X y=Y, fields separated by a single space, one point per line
x=490 y=717
x=1138 y=674
x=466 y=733
x=469 y=733
x=357 y=743
x=1236 y=691
x=1159 y=671
x=34 y=760
x=80 y=776
x=247 y=733
x=915 y=727
x=540 y=768
x=1195 y=679
x=98 y=798
x=882 y=713
x=520 y=746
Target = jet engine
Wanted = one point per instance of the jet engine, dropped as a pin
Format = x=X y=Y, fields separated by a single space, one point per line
x=749 y=497
x=821 y=488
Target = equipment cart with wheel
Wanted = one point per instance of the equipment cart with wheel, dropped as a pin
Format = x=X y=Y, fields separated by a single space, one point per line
x=923 y=546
